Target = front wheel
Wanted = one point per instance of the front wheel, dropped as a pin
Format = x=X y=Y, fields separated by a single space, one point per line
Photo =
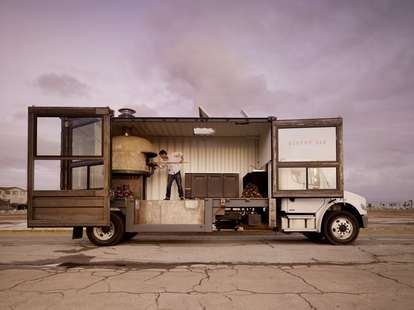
x=108 y=235
x=341 y=227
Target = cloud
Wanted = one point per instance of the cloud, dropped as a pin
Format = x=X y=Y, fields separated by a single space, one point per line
x=327 y=59
x=63 y=85
x=143 y=110
x=205 y=71
x=212 y=75
x=288 y=59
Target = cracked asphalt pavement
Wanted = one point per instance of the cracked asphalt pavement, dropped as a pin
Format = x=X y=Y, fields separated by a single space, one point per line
x=250 y=270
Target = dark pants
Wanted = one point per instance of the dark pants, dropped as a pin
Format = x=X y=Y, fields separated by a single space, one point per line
x=177 y=178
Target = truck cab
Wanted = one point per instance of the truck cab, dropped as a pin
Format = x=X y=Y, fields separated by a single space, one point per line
x=336 y=219
x=90 y=168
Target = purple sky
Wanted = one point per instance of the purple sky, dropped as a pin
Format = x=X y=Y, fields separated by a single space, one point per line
x=290 y=59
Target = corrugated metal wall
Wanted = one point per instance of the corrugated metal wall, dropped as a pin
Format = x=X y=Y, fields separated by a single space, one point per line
x=205 y=154
x=265 y=149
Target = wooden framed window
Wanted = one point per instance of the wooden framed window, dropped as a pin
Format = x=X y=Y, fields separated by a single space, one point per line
x=68 y=166
x=307 y=158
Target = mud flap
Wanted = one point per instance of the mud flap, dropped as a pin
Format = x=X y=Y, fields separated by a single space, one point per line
x=77 y=232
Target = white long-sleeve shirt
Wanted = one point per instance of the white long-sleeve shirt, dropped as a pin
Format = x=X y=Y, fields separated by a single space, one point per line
x=173 y=162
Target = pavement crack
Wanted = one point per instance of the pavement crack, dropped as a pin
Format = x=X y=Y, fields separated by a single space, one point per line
x=248 y=291
x=127 y=292
x=103 y=279
x=131 y=265
x=60 y=293
x=236 y=271
x=157 y=300
x=268 y=243
x=302 y=279
x=28 y=280
x=206 y=278
x=228 y=297
x=161 y=273
x=203 y=307
x=311 y=306
x=342 y=293
x=373 y=255
x=391 y=279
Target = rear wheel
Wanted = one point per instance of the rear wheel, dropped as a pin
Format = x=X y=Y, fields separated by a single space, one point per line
x=108 y=235
x=341 y=227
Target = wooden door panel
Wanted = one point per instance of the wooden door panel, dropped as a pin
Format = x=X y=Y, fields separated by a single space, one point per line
x=215 y=185
x=67 y=207
x=230 y=185
x=199 y=185
x=64 y=216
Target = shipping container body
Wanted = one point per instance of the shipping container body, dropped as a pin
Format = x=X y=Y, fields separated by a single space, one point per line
x=236 y=147
x=87 y=168
x=213 y=171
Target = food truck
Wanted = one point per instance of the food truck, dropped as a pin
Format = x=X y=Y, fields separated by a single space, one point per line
x=89 y=168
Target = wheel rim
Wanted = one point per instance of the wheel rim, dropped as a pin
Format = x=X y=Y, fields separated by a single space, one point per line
x=104 y=233
x=342 y=228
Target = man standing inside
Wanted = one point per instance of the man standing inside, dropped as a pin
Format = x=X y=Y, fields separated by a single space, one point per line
x=173 y=163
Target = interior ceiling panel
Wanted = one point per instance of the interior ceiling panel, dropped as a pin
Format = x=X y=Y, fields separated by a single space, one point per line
x=161 y=128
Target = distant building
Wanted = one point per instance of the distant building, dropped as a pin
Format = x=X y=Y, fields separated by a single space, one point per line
x=391 y=205
x=4 y=205
x=12 y=197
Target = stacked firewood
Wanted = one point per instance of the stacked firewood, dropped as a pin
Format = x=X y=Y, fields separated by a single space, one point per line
x=251 y=191
x=123 y=192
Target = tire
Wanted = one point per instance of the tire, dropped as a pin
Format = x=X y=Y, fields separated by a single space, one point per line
x=314 y=236
x=105 y=236
x=341 y=228
x=129 y=235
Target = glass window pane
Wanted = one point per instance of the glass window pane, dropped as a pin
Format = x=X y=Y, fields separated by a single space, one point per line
x=322 y=178
x=292 y=178
x=47 y=175
x=96 y=178
x=80 y=177
x=307 y=144
x=87 y=137
x=49 y=135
